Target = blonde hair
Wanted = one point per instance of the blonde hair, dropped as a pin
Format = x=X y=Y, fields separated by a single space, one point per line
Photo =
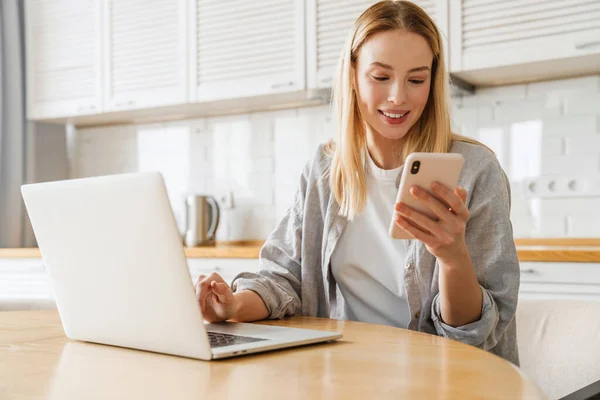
x=431 y=133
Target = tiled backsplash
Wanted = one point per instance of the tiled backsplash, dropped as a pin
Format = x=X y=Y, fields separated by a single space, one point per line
x=546 y=136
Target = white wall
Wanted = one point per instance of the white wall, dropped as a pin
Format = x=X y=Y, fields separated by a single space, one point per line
x=546 y=135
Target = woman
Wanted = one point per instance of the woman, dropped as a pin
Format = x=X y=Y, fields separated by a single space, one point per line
x=331 y=255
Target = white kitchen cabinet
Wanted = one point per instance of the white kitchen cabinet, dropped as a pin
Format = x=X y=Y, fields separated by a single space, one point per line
x=145 y=59
x=228 y=268
x=560 y=280
x=498 y=42
x=328 y=24
x=246 y=48
x=24 y=285
x=63 y=57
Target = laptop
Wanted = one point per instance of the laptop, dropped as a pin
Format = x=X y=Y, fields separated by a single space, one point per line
x=119 y=273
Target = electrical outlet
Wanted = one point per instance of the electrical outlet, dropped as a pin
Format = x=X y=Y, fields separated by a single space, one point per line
x=563 y=186
x=227 y=200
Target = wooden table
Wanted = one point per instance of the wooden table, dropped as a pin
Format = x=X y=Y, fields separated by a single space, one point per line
x=371 y=361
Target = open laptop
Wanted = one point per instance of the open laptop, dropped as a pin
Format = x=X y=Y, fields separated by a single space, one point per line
x=119 y=273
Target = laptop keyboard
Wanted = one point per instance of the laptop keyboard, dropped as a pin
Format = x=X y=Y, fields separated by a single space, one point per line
x=225 y=339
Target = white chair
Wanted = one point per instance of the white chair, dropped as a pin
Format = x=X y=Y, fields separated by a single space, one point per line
x=559 y=344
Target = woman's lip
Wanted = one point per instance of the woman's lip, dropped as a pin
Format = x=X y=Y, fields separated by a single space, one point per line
x=395 y=111
x=394 y=121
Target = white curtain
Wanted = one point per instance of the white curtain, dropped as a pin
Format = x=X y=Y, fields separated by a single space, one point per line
x=13 y=143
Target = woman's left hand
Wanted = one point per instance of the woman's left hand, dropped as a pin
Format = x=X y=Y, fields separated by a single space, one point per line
x=444 y=238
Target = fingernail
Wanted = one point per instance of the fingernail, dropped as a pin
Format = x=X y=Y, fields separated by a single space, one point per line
x=435 y=186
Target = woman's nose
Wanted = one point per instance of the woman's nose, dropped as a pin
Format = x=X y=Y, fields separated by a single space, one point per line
x=397 y=95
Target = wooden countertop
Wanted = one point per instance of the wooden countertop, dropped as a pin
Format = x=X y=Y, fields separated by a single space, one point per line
x=370 y=361
x=559 y=249
x=558 y=253
x=241 y=249
x=549 y=250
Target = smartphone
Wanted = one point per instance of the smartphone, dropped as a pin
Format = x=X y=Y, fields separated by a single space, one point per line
x=422 y=169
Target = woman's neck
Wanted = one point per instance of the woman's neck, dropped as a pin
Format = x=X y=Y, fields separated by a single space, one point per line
x=386 y=153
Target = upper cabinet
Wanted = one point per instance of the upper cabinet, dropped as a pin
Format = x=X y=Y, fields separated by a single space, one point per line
x=63 y=47
x=328 y=24
x=114 y=61
x=145 y=61
x=498 y=41
x=243 y=48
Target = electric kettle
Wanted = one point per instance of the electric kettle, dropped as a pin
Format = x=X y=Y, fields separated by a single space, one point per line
x=201 y=220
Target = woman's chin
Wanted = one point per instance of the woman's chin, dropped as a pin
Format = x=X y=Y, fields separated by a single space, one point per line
x=392 y=134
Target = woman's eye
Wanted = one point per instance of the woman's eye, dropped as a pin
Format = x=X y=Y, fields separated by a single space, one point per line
x=416 y=81
x=379 y=78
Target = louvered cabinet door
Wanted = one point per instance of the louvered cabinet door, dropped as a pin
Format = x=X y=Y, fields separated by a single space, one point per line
x=245 y=48
x=329 y=23
x=487 y=34
x=63 y=44
x=145 y=56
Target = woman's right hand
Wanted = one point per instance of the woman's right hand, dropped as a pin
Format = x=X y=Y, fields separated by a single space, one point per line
x=215 y=297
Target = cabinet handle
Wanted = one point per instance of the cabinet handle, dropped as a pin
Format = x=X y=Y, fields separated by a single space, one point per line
x=86 y=108
x=125 y=103
x=328 y=79
x=528 y=271
x=587 y=45
x=282 y=85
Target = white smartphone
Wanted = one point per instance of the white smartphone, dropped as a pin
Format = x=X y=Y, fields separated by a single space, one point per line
x=422 y=169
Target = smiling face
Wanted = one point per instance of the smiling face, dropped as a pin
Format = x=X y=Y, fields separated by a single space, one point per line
x=393 y=77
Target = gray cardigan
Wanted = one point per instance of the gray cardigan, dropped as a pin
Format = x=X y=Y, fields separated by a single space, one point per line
x=295 y=272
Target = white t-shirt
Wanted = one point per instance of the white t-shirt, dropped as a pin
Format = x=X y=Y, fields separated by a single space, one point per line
x=367 y=263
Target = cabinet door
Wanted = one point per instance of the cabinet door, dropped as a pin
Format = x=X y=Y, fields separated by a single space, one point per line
x=228 y=268
x=145 y=53
x=63 y=43
x=557 y=280
x=328 y=25
x=24 y=285
x=246 y=48
x=488 y=34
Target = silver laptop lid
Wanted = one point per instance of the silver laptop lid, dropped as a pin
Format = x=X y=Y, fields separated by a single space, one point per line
x=116 y=261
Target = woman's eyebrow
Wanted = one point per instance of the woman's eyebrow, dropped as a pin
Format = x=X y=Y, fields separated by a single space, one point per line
x=423 y=68
x=382 y=65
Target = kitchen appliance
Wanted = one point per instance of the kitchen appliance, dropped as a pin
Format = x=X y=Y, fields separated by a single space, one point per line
x=202 y=215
